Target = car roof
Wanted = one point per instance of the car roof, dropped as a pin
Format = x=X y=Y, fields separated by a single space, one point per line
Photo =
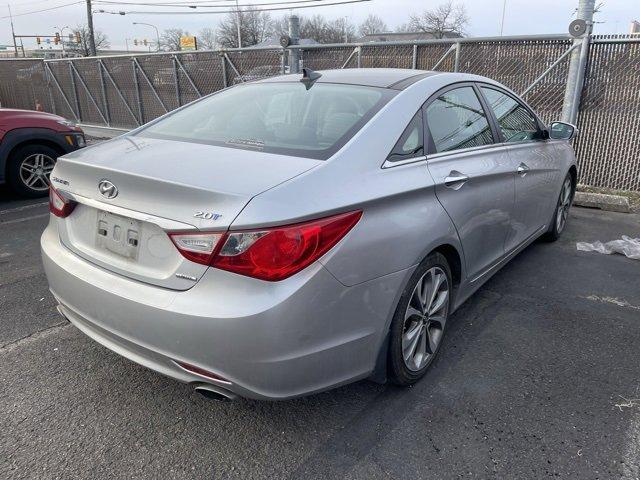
x=396 y=78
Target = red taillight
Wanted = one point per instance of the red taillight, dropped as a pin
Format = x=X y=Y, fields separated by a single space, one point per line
x=270 y=254
x=277 y=253
x=58 y=205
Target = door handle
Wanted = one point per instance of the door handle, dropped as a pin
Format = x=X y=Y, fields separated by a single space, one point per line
x=455 y=180
x=522 y=169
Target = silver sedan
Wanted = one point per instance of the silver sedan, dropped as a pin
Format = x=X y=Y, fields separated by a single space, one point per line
x=286 y=236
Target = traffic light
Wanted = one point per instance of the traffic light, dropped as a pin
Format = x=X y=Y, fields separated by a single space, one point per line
x=145 y=42
x=77 y=37
x=56 y=39
x=38 y=41
x=135 y=42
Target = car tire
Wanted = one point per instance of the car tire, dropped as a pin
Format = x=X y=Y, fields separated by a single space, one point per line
x=420 y=321
x=561 y=212
x=29 y=168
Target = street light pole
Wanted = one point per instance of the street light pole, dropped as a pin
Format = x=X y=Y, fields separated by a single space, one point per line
x=61 y=30
x=157 y=33
x=504 y=8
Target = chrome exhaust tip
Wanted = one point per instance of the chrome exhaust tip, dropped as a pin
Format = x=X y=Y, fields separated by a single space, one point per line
x=213 y=392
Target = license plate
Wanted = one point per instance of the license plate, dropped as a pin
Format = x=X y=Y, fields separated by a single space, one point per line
x=119 y=235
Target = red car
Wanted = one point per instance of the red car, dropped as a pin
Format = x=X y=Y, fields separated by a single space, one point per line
x=30 y=143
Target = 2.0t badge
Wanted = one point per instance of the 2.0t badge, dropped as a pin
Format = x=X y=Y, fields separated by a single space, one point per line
x=107 y=189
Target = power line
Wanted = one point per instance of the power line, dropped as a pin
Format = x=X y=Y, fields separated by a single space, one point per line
x=43 y=10
x=151 y=12
x=22 y=4
x=195 y=4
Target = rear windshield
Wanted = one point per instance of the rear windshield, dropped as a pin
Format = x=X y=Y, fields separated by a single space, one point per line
x=283 y=117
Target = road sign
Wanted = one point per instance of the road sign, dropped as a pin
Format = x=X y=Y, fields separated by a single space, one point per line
x=188 y=42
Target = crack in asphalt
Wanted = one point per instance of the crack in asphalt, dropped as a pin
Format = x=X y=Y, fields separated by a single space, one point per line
x=25 y=207
x=24 y=219
x=13 y=345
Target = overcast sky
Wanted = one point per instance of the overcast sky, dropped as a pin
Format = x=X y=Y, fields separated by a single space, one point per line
x=522 y=17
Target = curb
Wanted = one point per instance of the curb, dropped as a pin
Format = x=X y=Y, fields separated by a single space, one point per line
x=611 y=203
x=99 y=131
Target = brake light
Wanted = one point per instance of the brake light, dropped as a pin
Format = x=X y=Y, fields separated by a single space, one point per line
x=277 y=253
x=270 y=254
x=58 y=205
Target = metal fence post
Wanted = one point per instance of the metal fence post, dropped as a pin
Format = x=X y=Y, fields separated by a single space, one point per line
x=176 y=79
x=224 y=70
x=414 y=58
x=75 y=92
x=359 y=56
x=105 y=101
x=137 y=90
x=578 y=64
x=49 y=89
x=456 y=64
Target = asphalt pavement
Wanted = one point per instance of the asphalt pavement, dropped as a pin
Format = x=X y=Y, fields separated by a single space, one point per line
x=536 y=379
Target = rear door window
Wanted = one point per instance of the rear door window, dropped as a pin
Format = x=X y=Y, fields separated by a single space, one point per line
x=456 y=120
x=515 y=121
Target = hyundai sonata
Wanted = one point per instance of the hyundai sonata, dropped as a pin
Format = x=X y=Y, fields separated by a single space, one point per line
x=292 y=234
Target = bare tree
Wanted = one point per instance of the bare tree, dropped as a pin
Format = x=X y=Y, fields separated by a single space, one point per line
x=372 y=24
x=446 y=18
x=315 y=27
x=255 y=27
x=207 y=39
x=403 y=28
x=341 y=30
x=170 y=39
x=318 y=28
x=83 y=49
x=280 y=26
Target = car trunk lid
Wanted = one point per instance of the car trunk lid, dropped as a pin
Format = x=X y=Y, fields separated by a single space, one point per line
x=160 y=186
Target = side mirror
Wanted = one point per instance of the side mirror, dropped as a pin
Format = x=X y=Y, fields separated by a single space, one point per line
x=562 y=131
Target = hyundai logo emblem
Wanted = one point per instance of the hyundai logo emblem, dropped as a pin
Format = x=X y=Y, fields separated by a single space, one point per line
x=107 y=189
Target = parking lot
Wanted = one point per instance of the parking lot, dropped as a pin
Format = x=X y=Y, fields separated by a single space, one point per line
x=536 y=379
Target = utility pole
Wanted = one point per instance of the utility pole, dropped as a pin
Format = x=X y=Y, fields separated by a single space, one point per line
x=294 y=35
x=578 y=63
x=238 y=17
x=13 y=33
x=92 y=38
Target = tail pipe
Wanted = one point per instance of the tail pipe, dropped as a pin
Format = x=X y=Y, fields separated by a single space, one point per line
x=213 y=392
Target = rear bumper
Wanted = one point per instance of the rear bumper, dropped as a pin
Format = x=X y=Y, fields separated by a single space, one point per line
x=270 y=340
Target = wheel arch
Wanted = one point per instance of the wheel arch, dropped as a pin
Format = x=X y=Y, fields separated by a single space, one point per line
x=455 y=260
x=573 y=171
x=22 y=137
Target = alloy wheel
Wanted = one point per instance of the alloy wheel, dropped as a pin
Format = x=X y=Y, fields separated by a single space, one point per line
x=35 y=170
x=563 y=205
x=425 y=318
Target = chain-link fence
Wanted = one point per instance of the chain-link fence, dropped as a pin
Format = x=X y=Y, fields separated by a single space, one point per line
x=608 y=146
x=127 y=91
